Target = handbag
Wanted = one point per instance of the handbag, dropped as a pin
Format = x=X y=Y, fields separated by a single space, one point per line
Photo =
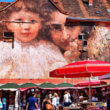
x=49 y=106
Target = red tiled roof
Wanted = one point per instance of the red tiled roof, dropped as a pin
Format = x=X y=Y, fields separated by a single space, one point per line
x=39 y=81
x=78 y=8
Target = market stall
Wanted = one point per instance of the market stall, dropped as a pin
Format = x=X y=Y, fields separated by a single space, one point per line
x=87 y=68
x=10 y=92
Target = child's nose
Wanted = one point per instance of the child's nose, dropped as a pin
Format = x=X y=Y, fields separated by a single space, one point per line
x=26 y=25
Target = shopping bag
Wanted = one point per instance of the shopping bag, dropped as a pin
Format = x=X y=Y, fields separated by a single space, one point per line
x=49 y=106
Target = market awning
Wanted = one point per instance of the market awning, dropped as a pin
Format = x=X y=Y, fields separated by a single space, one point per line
x=9 y=86
x=29 y=84
x=47 y=85
x=65 y=84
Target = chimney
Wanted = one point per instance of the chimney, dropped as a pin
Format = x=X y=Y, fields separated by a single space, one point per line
x=90 y=2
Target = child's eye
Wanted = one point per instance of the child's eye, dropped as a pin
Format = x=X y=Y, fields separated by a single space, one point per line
x=19 y=20
x=33 y=21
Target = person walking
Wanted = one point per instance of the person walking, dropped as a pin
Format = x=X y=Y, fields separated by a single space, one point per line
x=47 y=104
x=32 y=103
x=55 y=101
x=66 y=99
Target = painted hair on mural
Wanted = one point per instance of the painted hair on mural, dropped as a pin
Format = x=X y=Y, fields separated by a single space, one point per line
x=41 y=7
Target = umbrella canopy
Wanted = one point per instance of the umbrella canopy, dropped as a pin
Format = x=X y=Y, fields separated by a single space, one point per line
x=28 y=85
x=9 y=85
x=80 y=69
x=86 y=68
x=91 y=83
x=47 y=85
x=65 y=84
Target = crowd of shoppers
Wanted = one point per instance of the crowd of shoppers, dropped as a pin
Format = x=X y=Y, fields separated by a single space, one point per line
x=50 y=100
x=56 y=100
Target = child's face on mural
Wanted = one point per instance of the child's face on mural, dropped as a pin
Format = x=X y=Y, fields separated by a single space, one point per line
x=24 y=32
x=62 y=34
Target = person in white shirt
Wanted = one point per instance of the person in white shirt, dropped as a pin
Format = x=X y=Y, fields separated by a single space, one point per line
x=66 y=99
x=55 y=101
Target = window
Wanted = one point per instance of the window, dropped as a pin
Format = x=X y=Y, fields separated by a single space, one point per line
x=9 y=37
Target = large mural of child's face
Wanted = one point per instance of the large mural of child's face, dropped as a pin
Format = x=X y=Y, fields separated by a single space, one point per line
x=24 y=32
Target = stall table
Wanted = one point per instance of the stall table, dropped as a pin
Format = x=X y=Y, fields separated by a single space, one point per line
x=96 y=108
x=85 y=104
x=72 y=108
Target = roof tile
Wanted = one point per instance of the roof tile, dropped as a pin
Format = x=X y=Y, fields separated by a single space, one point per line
x=78 y=8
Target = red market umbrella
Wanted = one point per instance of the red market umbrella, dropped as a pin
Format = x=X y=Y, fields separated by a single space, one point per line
x=80 y=69
x=91 y=83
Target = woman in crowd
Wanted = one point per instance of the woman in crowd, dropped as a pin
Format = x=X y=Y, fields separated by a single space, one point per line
x=67 y=99
x=45 y=102
x=55 y=101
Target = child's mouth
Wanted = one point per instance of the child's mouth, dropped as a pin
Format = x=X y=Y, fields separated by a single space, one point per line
x=25 y=34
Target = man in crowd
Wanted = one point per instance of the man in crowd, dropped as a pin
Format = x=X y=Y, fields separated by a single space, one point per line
x=32 y=103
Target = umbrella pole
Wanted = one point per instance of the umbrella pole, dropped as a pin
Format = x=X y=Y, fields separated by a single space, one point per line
x=89 y=91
